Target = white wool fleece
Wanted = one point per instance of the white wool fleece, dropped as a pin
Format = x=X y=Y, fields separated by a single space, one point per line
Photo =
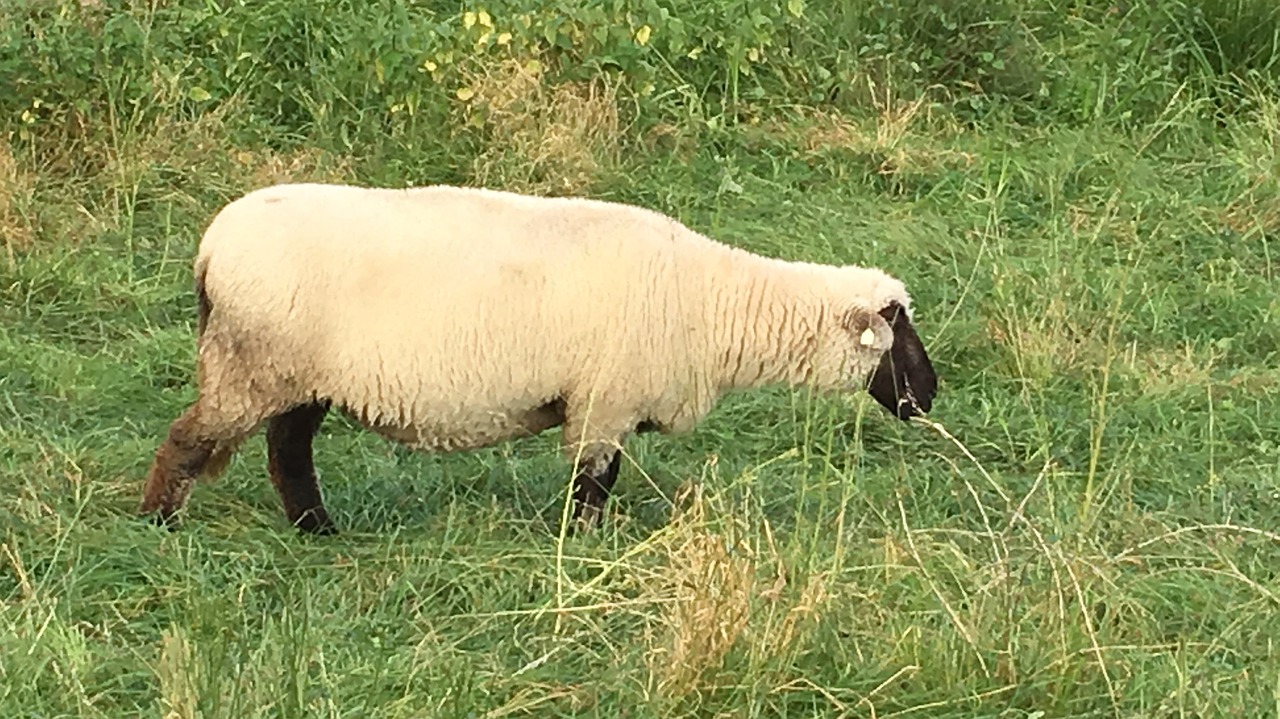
x=452 y=318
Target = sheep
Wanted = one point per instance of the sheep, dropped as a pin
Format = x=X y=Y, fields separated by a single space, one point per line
x=448 y=319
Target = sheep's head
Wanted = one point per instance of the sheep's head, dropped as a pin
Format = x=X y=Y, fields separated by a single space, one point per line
x=888 y=358
x=904 y=380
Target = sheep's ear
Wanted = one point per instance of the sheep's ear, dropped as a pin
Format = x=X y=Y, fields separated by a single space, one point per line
x=905 y=382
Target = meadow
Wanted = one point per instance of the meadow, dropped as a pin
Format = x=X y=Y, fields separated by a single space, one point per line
x=1084 y=198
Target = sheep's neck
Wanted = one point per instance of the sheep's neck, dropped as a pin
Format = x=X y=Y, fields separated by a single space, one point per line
x=768 y=332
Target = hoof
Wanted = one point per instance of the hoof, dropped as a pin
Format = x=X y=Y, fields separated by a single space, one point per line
x=160 y=518
x=316 y=522
x=586 y=520
x=323 y=530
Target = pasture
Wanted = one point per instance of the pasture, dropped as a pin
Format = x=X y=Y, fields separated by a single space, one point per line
x=1083 y=199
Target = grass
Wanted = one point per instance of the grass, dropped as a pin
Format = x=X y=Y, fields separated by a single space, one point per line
x=1084 y=527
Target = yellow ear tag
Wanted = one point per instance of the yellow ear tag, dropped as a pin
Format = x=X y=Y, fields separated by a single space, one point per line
x=868 y=337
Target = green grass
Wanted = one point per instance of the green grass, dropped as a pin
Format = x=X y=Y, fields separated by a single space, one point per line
x=1085 y=527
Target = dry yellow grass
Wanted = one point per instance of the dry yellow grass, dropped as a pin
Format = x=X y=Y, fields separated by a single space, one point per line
x=267 y=167
x=176 y=673
x=1255 y=156
x=718 y=594
x=711 y=583
x=1046 y=340
x=903 y=138
x=664 y=138
x=17 y=192
x=164 y=142
x=542 y=138
x=1255 y=212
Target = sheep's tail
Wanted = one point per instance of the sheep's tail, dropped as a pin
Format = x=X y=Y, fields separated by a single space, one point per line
x=204 y=305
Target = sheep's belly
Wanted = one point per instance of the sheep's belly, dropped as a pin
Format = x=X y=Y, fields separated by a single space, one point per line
x=476 y=432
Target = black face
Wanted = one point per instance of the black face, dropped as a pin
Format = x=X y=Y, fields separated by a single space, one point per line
x=904 y=382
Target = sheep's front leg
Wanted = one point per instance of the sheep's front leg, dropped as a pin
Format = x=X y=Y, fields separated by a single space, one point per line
x=592 y=485
x=291 y=464
x=593 y=443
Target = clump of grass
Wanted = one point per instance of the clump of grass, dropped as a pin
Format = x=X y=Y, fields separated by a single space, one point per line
x=723 y=595
x=161 y=151
x=543 y=138
x=302 y=164
x=710 y=584
x=904 y=143
x=176 y=672
x=1044 y=339
x=1255 y=159
x=17 y=203
x=904 y=136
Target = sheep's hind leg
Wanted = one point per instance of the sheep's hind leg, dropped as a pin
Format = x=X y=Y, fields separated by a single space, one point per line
x=290 y=462
x=191 y=448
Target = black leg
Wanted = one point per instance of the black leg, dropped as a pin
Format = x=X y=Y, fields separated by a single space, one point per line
x=293 y=472
x=592 y=485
